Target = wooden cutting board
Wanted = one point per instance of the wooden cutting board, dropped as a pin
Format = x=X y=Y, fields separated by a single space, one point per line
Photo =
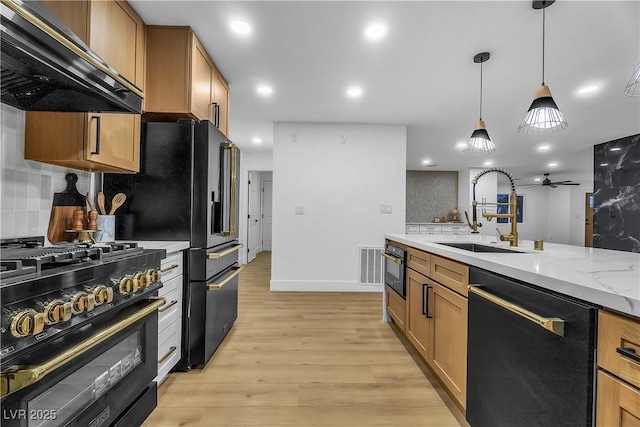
x=64 y=204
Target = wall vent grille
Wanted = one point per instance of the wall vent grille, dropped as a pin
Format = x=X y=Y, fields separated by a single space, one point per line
x=370 y=265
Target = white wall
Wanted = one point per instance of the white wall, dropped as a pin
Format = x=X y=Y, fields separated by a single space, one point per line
x=249 y=161
x=341 y=187
x=27 y=187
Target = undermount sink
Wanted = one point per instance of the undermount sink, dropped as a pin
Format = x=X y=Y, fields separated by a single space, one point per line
x=476 y=247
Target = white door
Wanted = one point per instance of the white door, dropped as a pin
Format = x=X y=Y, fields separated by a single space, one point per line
x=267 y=218
x=253 y=225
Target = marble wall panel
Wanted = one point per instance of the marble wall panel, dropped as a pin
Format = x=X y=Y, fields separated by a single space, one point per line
x=616 y=215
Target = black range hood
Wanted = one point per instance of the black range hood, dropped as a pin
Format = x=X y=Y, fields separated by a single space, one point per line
x=46 y=67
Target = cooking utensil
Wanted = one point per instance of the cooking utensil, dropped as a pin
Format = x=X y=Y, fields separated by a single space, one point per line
x=116 y=202
x=64 y=203
x=101 y=203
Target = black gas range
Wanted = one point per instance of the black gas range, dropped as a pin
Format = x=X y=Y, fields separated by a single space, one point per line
x=82 y=319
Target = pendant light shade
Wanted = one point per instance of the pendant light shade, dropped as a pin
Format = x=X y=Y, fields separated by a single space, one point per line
x=480 y=142
x=543 y=115
x=633 y=87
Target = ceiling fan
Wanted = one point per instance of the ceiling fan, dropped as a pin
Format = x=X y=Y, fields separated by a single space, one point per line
x=548 y=183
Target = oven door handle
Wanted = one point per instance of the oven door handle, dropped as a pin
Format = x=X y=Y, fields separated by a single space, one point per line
x=232 y=249
x=18 y=377
x=552 y=324
x=391 y=258
x=219 y=285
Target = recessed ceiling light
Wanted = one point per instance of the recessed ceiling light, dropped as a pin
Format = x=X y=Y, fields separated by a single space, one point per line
x=552 y=164
x=265 y=90
x=615 y=149
x=585 y=90
x=537 y=179
x=426 y=161
x=240 y=27
x=544 y=147
x=604 y=164
x=354 y=92
x=488 y=163
x=461 y=145
x=257 y=140
x=375 y=32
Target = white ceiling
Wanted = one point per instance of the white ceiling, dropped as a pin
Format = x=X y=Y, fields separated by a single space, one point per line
x=422 y=74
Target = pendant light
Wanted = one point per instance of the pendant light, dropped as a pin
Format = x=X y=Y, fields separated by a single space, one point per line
x=480 y=142
x=543 y=115
x=633 y=87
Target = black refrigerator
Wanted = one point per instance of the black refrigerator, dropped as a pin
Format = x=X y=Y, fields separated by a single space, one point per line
x=187 y=189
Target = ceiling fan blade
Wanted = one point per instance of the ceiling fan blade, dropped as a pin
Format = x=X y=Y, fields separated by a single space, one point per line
x=552 y=185
x=572 y=183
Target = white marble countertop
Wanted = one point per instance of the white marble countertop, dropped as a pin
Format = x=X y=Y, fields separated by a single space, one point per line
x=603 y=277
x=170 y=245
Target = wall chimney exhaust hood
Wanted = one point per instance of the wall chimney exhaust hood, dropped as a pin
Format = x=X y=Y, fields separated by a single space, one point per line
x=46 y=67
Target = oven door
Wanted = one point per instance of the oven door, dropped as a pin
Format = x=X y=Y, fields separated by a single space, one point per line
x=394 y=273
x=101 y=375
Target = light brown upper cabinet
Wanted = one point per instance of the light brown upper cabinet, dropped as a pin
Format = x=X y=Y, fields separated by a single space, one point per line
x=104 y=142
x=182 y=80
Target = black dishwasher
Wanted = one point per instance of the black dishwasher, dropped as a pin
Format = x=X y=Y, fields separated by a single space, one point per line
x=531 y=355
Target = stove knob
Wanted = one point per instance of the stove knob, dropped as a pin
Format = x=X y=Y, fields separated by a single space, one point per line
x=102 y=294
x=128 y=285
x=82 y=301
x=27 y=322
x=143 y=278
x=57 y=311
x=156 y=275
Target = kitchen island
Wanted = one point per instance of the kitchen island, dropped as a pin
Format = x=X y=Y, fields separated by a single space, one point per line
x=606 y=278
x=511 y=332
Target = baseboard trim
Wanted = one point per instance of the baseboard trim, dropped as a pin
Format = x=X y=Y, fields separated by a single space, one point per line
x=322 y=286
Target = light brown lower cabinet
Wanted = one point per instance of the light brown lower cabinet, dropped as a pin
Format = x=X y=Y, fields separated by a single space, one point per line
x=448 y=350
x=618 y=404
x=437 y=327
x=396 y=308
x=418 y=331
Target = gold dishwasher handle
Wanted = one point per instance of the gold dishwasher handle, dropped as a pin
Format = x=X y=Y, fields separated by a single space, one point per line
x=391 y=258
x=167 y=306
x=218 y=255
x=219 y=285
x=18 y=377
x=552 y=324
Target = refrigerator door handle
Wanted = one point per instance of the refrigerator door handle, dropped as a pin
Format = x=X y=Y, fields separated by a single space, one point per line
x=233 y=196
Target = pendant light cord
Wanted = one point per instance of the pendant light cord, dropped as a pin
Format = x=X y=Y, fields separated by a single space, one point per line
x=481 y=91
x=543 y=25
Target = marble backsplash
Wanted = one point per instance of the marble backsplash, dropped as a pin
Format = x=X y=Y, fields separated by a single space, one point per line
x=26 y=187
x=430 y=194
x=616 y=214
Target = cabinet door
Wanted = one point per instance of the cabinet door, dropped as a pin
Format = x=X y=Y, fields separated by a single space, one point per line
x=201 y=85
x=618 y=404
x=113 y=140
x=447 y=354
x=417 y=327
x=116 y=34
x=221 y=91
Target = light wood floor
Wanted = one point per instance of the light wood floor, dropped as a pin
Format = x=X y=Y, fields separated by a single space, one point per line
x=306 y=359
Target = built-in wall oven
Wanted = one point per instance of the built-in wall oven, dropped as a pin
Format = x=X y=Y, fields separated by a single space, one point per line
x=394 y=263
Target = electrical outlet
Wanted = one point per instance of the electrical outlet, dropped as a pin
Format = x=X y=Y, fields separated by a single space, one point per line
x=293 y=137
x=343 y=139
x=386 y=209
x=299 y=210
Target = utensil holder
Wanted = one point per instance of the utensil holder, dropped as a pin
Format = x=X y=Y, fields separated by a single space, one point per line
x=106 y=228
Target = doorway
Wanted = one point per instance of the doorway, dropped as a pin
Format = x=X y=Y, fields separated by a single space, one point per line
x=259 y=218
x=588 y=217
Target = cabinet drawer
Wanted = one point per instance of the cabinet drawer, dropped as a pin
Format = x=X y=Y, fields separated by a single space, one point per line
x=618 y=335
x=412 y=229
x=396 y=308
x=419 y=261
x=169 y=349
x=618 y=404
x=172 y=266
x=170 y=312
x=430 y=229
x=457 y=228
x=450 y=273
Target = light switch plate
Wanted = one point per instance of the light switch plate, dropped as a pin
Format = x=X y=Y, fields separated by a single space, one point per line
x=386 y=209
